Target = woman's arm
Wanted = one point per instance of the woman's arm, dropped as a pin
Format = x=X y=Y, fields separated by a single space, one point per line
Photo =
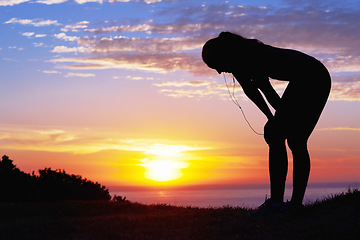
x=253 y=94
x=265 y=87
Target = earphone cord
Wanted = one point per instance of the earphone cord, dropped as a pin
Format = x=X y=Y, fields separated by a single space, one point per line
x=235 y=101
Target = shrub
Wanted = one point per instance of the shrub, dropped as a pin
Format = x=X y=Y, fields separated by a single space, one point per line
x=50 y=185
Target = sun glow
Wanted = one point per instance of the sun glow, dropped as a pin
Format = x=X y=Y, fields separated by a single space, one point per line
x=165 y=163
x=163 y=170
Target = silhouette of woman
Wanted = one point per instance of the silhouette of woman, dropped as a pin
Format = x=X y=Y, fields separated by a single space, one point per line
x=297 y=112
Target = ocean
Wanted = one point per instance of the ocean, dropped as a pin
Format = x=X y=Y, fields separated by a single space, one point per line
x=219 y=196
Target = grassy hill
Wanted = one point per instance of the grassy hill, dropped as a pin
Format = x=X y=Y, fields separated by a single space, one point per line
x=337 y=217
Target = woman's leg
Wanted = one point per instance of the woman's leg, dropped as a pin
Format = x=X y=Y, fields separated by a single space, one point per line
x=278 y=160
x=302 y=109
x=301 y=168
x=278 y=167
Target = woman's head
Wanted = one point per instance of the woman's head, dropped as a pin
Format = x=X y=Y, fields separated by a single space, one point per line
x=226 y=51
x=212 y=53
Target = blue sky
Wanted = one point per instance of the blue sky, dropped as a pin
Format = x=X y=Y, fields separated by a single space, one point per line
x=88 y=76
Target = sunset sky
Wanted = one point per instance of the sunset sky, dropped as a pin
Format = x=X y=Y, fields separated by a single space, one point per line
x=116 y=91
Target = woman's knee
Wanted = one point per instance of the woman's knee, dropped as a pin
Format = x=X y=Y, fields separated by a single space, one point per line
x=274 y=134
x=297 y=144
x=274 y=140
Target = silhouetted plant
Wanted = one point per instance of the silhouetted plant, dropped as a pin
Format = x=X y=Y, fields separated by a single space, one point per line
x=14 y=184
x=119 y=198
x=50 y=185
x=6 y=165
x=61 y=186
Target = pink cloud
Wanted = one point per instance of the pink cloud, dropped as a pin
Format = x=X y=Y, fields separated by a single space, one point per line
x=196 y=83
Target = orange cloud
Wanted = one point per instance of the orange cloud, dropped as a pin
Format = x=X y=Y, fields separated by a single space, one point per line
x=340 y=129
x=86 y=141
x=161 y=63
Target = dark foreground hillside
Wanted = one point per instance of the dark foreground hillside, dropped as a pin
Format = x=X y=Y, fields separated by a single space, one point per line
x=335 y=218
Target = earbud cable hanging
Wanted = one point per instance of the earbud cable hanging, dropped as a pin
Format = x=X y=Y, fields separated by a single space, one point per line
x=235 y=101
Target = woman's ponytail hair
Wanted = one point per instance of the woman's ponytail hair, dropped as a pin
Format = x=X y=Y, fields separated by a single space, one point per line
x=232 y=38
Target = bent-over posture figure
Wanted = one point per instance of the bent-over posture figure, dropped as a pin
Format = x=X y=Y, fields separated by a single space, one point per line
x=296 y=113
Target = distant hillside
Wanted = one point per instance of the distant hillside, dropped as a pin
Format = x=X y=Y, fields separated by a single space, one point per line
x=49 y=185
x=337 y=217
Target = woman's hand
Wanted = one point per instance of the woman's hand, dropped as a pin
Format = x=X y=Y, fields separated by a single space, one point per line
x=252 y=92
x=266 y=88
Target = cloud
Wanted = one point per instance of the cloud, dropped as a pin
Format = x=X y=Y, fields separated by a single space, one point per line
x=28 y=34
x=51 y=71
x=11 y=2
x=110 y=63
x=114 y=1
x=196 y=83
x=32 y=22
x=38 y=44
x=42 y=140
x=345 y=91
x=161 y=63
x=87 y=1
x=64 y=37
x=341 y=129
x=152 y=1
x=315 y=32
x=75 y=27
x=84 y=75
x=330 y=32
x=198 y=89
x=191 y=93
x=50 y=2
x=84 y=141
x=341 y=63
x=16 y=47
x=64 y=49
x=136 y=78
x=153 y=54
x=40 y=35
x=114 y=45
x=152 y=27
x=123 y=28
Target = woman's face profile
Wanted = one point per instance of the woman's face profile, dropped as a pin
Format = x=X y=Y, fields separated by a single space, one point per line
x=215 y=59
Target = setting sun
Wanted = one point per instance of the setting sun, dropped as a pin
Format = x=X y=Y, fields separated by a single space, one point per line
x=163 y=170
x=165 y=162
